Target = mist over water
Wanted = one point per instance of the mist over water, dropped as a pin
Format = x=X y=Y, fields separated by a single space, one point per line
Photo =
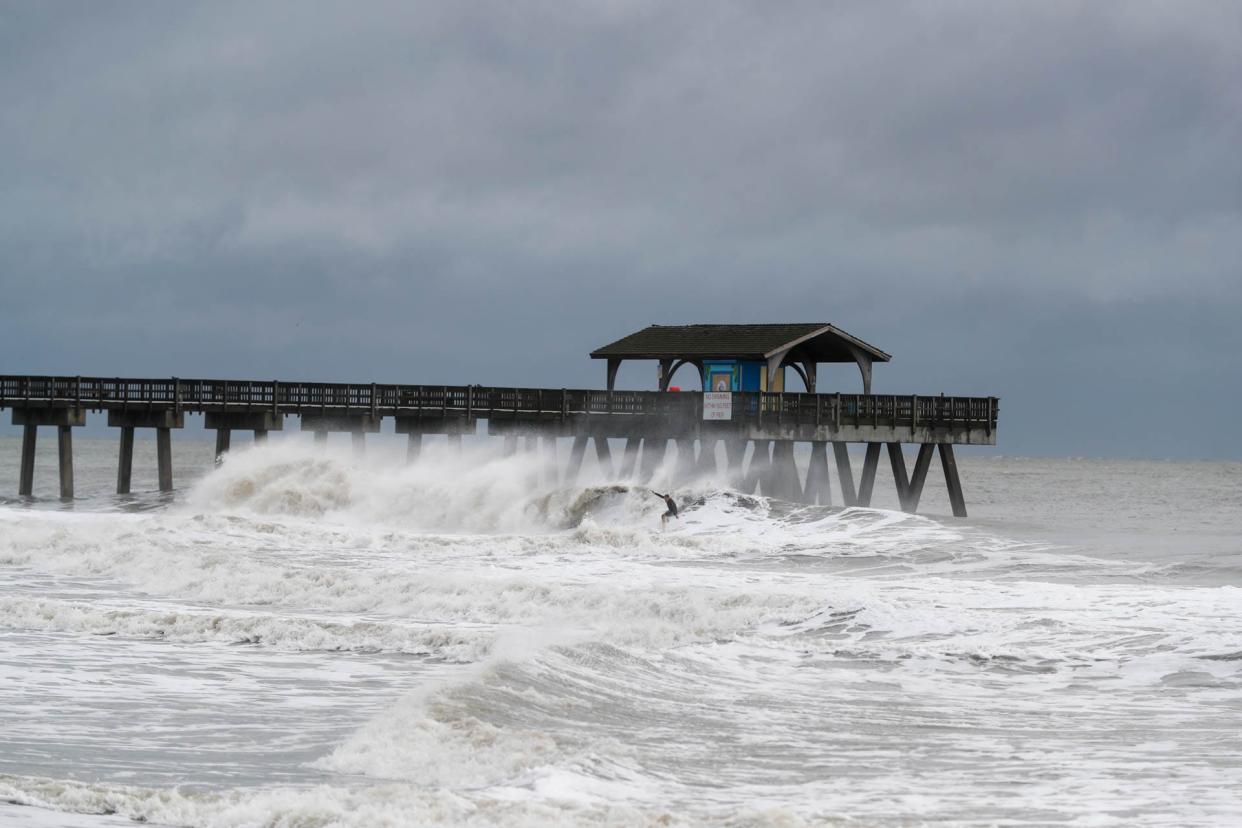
x=307 y=637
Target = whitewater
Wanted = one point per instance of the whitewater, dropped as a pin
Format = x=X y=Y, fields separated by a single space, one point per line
x=307 y=637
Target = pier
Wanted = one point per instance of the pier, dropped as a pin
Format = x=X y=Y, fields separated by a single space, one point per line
x=759 y=429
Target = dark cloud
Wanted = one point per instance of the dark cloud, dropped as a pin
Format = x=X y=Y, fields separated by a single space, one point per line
x=1041 y=201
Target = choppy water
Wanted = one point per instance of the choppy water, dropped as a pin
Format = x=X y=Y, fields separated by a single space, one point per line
x=303 y=638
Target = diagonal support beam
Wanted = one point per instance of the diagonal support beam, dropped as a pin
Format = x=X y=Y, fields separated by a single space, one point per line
x=867 y=484
x=949 y=463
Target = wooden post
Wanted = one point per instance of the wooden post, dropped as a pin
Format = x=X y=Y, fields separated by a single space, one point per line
x=921 y=464
x=735 y=455
x=760 y=464
x=783 y=476
x=25 y=484
x=64 y=450
x=845 y=473
x=654 y=449
x=686 y=462
x=576 y=453
x=604 y=455
x=125 y=463
x=707 y=458
x=898 y=461
x=629 y=460
x=818 y=479
x=949 y=463
x=223 y=438
x=163 y=457
x=867 y=483
x=551 y=473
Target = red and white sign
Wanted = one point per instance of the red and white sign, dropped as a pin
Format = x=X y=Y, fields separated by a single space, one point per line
x=718 y=405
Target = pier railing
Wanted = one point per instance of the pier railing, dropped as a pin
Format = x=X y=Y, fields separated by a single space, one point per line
x=474 y=401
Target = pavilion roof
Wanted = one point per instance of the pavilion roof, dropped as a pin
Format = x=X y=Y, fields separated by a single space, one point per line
x=815 y=341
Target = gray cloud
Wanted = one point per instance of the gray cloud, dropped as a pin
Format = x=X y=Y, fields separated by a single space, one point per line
x=1032 y=200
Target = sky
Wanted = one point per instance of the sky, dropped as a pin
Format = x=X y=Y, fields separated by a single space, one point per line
x=1038 y=201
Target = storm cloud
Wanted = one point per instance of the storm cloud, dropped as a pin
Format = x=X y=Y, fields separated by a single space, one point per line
x=1041 y=201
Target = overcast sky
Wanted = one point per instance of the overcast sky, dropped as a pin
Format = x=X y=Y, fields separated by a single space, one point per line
x=1040 y=201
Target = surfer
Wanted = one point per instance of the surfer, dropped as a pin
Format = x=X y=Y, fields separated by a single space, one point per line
x=672 y=508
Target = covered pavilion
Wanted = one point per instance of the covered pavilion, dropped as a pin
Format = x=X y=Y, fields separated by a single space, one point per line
x=743 y=357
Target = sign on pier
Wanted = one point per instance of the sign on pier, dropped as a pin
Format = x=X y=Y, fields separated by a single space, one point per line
x=718 y=405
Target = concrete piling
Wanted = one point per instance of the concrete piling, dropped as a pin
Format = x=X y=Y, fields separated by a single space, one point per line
x=163 y=458
x=125 y=462
x=30 y=433
x=64 y=452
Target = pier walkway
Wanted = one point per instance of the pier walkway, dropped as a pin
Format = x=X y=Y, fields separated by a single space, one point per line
x=768 y=423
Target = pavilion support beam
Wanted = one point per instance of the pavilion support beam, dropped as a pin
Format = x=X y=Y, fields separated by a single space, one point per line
x=414 y=446
x=818 y=478
x=919 y=476
x=613 y=365
x=866 y=484
x=665 y=373
x=603 y=454
x=845 y=473
x=64 y=452
x=897 y=459
x=163 y=458
x=125 y=462
x=576 y=452
x=949 y=463
x=25 y=483
x=629 y=460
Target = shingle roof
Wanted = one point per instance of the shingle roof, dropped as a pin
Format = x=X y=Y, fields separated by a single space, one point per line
x=819 y=340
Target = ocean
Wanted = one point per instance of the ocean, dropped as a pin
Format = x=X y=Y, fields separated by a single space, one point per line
x=307 y=637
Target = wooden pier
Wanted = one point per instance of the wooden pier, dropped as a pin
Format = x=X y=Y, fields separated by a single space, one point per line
x=763 y=425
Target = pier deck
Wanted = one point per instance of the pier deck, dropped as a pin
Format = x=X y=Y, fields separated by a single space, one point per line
x=769 y=421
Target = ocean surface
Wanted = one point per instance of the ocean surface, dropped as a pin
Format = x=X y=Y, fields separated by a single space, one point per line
x=305 y=637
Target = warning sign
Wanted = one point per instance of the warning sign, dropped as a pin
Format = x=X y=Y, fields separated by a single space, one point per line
x=718 y=405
